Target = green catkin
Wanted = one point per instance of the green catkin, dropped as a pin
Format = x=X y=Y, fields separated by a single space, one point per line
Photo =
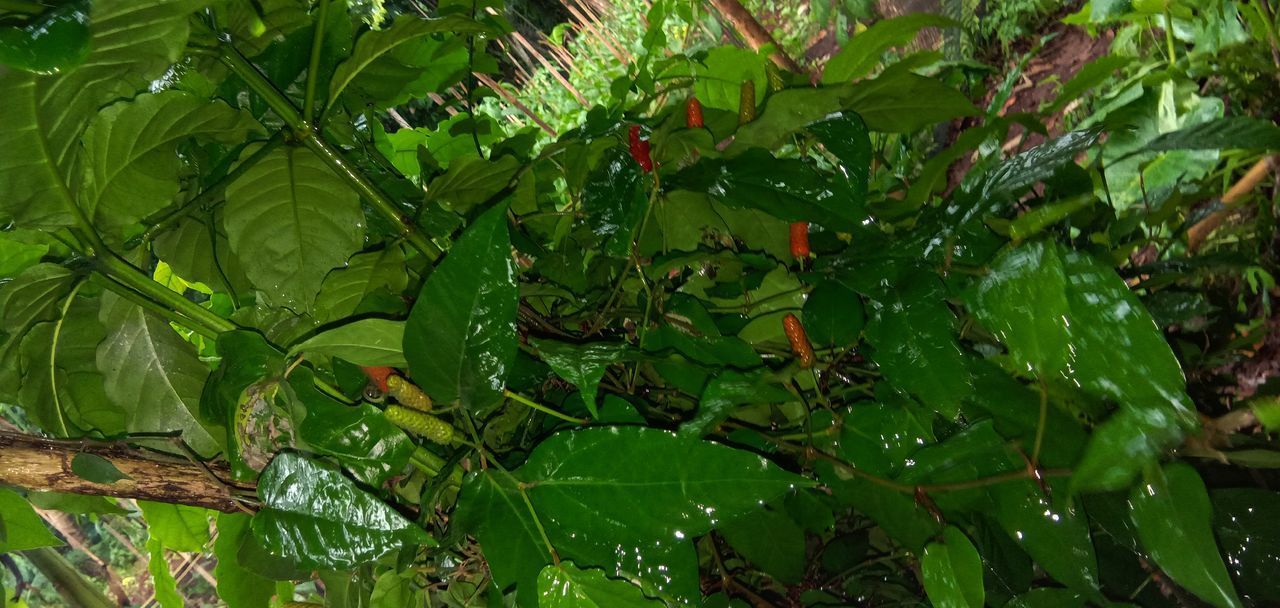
x=421 y=424
x=408 y=394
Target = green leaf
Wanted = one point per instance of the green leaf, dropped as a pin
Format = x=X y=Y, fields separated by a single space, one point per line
x=612 y=200
x=191 y=253
x=1108 y=324
x=177 y=527
x=833 y=316
x=902 y=102
x=320 y=519
x=1172 y=516
x=96 y=469
x=364 y=275
x=1230 y=133
x=238 y=586
x=131 y=161
x=952 y=572
x=246 y=358
x=461 y=336
x=1249 y=535
x=770 y=540
x=166 y=588
x=75 y=504
x=396 y=590
x=18 y=255
x=30 y=298
x=718 y=81
x=132 y=43
x=1055 y=536
x=659 y=490
x=360 y=437
x=911 y=330
x=880 y=438
x=786 y=112
x=1049 y=597
x=1038 y=163
x=582 y=364
x=23 y=528
x=153 y=373
x=863 y=52
x=54 y=41
x=727 y=390
x=367 y=342
x=1023 y=302
x=567 y=586
x=845 y=136
x=395 y=55
x=708 y=350
x=290 y=220
x=472 y=181
x=787 y=189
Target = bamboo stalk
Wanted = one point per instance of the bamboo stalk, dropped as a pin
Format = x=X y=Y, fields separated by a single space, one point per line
x=1197 y=234
x=555 y=73
x=497 y=88
x=754 y=33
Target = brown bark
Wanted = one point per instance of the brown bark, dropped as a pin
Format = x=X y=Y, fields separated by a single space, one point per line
x=754 y=33
x=36 y=463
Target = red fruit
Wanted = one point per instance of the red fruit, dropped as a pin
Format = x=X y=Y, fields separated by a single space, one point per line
x=640 y=149
x=800 y=346
x=379 y=375
x=800 y=240
x=693 y=113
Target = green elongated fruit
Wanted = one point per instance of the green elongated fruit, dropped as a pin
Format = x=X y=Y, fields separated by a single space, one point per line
x=408 y=394
x=747 y=103
x=421 y=424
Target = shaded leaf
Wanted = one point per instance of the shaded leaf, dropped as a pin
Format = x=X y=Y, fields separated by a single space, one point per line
x=901 y=102
x=582 y=364
x=360 y=437
x=366 y=342
x=461 y=337
x=364 y=275
x=727 y=390
x=1229 y=133
x=863 y=52
x=612 y=200
x=1250 y=539
x=320 y=519
x=238 y=586
x=833 y=316
x=567 y=586
x=472 y=181
x=770 y=540
x=952 y=572
x=53 y=41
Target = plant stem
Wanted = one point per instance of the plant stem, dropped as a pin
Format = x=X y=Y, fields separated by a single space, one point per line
x=138 y=299
x=305 y=132
x=205 y=321
x=1168 y=36
x=313 y=67
x=542 y=408
x=208 y=196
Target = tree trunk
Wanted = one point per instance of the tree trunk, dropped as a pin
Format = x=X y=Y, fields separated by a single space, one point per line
x=36 y=463
x=755 y=34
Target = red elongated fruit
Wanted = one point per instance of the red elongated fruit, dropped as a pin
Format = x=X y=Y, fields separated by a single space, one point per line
x=640 y=149
x=379 y=375
x=408 y=394
x=693 y=113
x=800 y=346
x=421 y=424
x=800 y=240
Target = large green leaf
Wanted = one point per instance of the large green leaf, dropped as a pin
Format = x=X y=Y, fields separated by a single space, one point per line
x=369 y=342
x=29 y=298
x=901 y=102
x=718 y=80
x=23 y=529
x=612 y=200
x=153 y=373
x=862 y=53
x=291 y=220
x=788 y=111
x=130 y=163
x=833 y=316
x=567 y=586
x=659 y=491
x=1057 y=537
x=162 y=580
x=360 y=437
x=397 y=56
x=770 y=540
x=952 y=572
x=190 y=250
x=787 y=189
x=1172 y=516
x=177 y=527
x=880 y=438
x=582 y=364
x=915 y=345
x=1023 y=301
x=1036 y=164
x=364 y=275
x=471 y=181
x=1250 y=537
x=320 y=519
x=1233 y=132
x=42 y=118
x=727 y=390
x=55 y=40
x=238 y=586
x=845 y=136
x=246 y=358
x=461 y=336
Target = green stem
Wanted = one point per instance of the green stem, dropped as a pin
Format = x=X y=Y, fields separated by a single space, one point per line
x=313 y=67
x=200 y=319
x=53 y=355
x=64 y=577
x=542 y=408
x=208 y=196
x=1168 y=35
x=138 y=299
x=305 y=132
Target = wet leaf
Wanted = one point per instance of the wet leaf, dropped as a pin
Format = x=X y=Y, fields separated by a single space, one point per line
x=366 y=342
x=567 y=586
x=1249 y=535
x=582 y=364
x=952 y=572
x=727 y=390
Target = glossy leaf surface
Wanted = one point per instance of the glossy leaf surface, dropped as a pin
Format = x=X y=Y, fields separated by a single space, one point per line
x=370 y=342
x=567 y=586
